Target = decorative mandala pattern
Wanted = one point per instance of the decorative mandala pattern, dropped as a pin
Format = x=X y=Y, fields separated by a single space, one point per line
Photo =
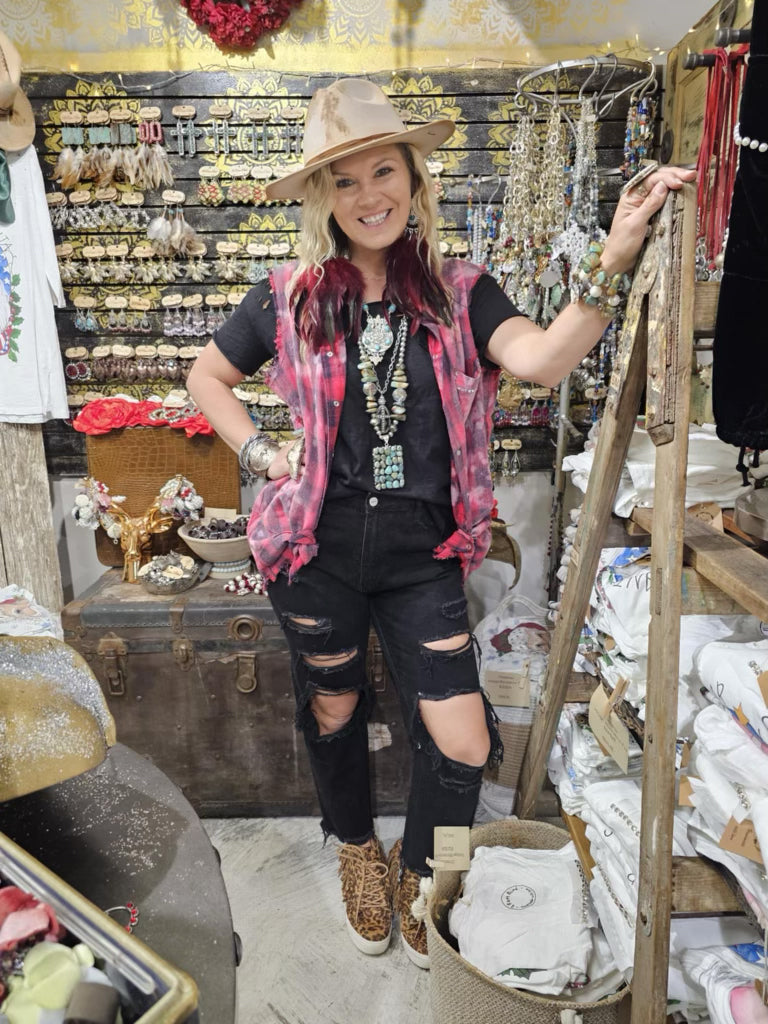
x=27 y=22
x=418 y=100
x=525 y=22
x=356 y=23
x=277 y=225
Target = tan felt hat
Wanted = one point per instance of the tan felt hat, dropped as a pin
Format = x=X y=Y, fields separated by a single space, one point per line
x=348 y=117
x=17 y=120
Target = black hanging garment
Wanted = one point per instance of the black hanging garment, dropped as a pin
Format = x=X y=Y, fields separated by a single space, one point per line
x=740 y=370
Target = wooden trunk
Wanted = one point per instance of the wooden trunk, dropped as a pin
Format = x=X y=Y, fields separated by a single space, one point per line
x=199 y=682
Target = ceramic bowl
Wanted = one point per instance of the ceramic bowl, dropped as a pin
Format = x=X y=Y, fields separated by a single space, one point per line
x=227 y=557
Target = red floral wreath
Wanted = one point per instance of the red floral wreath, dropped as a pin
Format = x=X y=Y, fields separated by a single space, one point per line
x=238 y=24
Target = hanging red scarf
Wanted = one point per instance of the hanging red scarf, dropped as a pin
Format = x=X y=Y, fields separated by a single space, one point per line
x=718 y=153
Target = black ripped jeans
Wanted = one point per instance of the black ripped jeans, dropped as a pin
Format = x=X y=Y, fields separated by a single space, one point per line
x=375 y=564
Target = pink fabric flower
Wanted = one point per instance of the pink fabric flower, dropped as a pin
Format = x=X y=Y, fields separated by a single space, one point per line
x=23 y=916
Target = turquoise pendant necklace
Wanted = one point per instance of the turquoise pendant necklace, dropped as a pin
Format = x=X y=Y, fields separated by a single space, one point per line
x=388 y=465
x=377 y=338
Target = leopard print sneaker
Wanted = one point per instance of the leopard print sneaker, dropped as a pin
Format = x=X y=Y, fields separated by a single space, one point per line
x=367 y=896
x=405 y=886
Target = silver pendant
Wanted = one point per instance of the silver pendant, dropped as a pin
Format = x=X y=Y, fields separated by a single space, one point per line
x=377 y=338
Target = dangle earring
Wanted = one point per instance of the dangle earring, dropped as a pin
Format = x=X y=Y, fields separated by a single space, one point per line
x=412 y=224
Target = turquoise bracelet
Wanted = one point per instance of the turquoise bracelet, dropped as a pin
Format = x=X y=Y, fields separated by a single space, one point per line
x=595 y=286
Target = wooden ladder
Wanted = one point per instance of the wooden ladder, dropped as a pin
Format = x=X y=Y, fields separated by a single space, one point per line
x=665 y=310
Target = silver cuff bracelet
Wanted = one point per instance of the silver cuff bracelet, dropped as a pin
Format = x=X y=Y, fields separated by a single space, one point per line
x=257 y=453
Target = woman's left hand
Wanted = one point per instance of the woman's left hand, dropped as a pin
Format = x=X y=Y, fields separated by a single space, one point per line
x=634 y=210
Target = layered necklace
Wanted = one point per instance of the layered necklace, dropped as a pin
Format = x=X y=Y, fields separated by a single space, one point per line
x=375 y=341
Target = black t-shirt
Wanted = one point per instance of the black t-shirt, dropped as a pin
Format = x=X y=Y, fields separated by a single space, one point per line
x=247 y=340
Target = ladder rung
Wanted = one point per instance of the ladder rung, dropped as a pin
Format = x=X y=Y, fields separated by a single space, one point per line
x=738 y=571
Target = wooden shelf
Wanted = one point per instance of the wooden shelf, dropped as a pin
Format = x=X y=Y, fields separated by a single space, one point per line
x=698 y=888
x=738 y=571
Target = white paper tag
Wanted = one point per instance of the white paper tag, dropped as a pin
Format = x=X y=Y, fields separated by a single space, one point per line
x=451 y=848
x=608 y=729
x=509 y=689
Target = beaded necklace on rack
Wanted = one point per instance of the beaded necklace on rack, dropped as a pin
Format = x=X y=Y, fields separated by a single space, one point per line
x=376 y=340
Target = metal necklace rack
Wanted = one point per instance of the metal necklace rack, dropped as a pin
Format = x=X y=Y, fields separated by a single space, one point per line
x=608 y=65
x=600 y=82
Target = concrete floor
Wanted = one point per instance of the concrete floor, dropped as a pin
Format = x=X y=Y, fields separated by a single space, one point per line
x=298 y=965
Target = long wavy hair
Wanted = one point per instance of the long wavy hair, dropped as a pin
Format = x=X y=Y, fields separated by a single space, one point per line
x=322 y=286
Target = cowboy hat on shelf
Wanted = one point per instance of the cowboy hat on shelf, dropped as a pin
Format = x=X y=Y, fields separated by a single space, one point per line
x=17 y=120
x=350 y=116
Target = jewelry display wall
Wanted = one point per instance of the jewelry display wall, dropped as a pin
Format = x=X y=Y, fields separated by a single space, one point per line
x=170 y=228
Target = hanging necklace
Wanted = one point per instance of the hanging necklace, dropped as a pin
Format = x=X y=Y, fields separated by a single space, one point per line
x=377 y=338
x=388 y=466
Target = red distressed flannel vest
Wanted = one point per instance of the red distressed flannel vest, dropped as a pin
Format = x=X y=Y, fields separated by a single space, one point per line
x=285 y=513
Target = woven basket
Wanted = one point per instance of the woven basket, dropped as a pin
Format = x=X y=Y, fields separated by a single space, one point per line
x=461 y=994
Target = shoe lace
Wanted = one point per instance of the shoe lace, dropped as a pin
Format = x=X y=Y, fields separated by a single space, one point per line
x=363 y=881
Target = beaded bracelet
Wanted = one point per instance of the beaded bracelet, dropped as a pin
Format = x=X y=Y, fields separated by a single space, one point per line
x=595 y=286
x=257 y=453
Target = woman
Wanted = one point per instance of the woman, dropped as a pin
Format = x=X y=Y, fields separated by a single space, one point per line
x=388 y=358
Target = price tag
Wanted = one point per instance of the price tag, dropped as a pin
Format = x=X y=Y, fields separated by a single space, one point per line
x=256 y=114
x=220 y=110
x=216 y=300
x=708 y=512
x=257 y=249
x=71 y=117
x=192 y=301
x=84 y=302
x=119 y=114
x=451 y=848
x=106 y=195
x=121 y=249
x=235 y=298
x=209 y=171
x=261 y=172
x=173 y=197
x=97 y=116
x=198 y=249
x=171 y=301
x=123 y=351
x=684 y=792
x=139 y=303
x=80 y=197
x=150 y=113
x=168 y=351
x=183 y=110
x=64 y=250
x=739 y=837
x=608 y=729
x=93 y=252
x=762 y=682
x=80 y=352
x=227 y=248
x=146 y=351
x=115 y=302
x=220 y=513
x=55 y=198
x=509 y=689
x=132 y=198
x=239 y=170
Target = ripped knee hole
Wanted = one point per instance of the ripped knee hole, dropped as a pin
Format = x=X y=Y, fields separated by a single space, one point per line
x=330 y=660
x=458 y=644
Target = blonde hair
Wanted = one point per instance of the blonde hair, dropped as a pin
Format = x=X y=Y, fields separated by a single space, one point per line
x=321 y=238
